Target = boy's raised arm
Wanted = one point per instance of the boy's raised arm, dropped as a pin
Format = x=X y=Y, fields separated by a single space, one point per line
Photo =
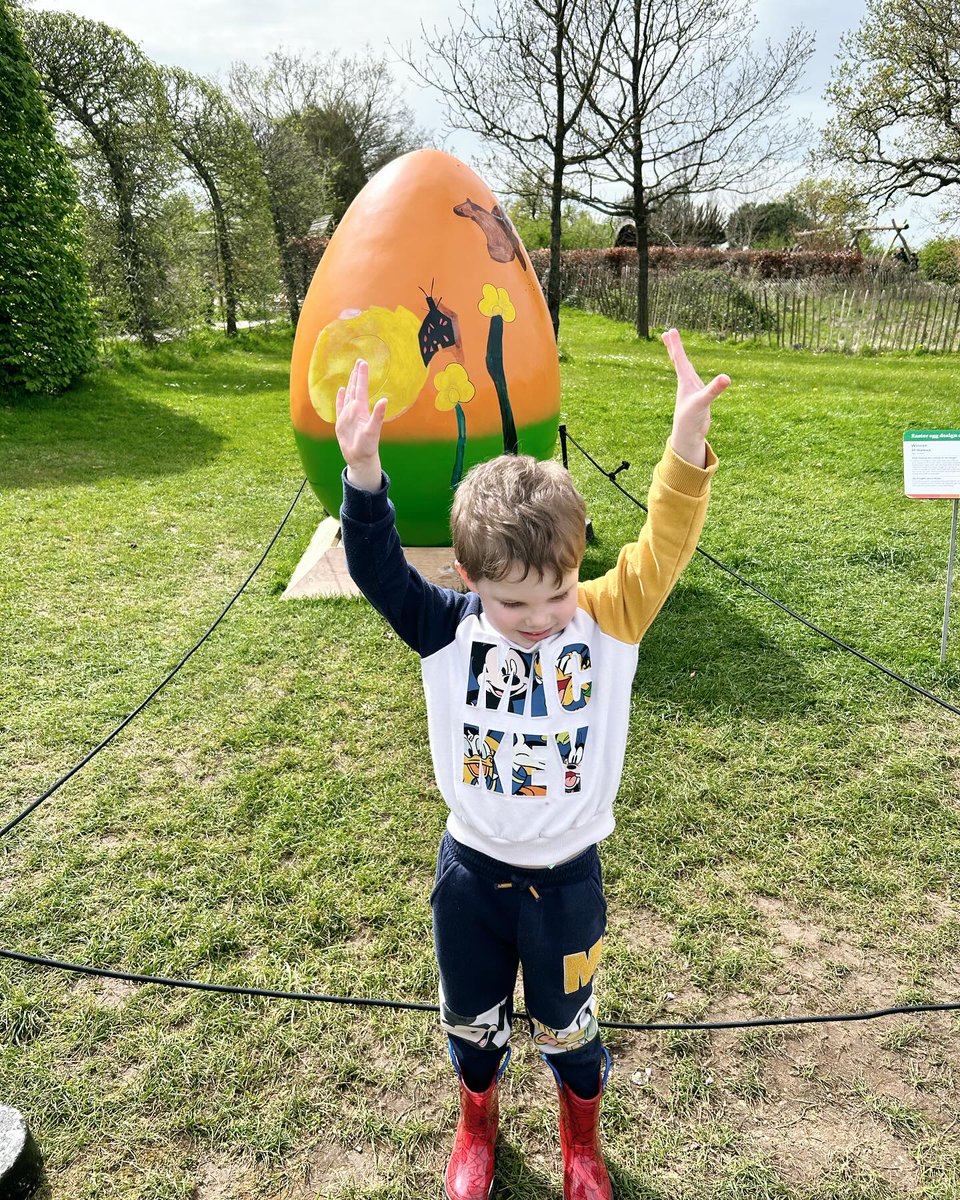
x=626 y=599
x=424 y=615
x=358 y=430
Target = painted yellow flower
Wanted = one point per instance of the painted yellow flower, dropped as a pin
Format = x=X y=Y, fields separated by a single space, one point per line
x=453 y=387
x=388 y=340
x=496 y=302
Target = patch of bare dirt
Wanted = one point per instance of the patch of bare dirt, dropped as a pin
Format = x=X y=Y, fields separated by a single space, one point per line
x=224 y=1180
x=108 y=993
x=186 y=766
x=645 y=931
x=808 y=1097
x=328 y=1169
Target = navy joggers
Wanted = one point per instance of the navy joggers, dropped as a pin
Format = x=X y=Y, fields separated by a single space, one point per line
x=491 y=918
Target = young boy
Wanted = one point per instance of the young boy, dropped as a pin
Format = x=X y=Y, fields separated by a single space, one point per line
x=527 y=679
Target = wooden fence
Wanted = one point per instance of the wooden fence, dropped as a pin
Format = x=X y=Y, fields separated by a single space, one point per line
x=817 y=313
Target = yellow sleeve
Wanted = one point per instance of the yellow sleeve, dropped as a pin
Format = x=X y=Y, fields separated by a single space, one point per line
x=625 y=600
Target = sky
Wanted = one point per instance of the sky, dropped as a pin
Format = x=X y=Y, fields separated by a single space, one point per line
x=206 y=36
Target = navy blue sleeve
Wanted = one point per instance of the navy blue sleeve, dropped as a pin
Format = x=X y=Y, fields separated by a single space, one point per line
x=424 y=615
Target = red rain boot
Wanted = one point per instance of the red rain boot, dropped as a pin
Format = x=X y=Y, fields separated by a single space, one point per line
x=584 y=1173
x=469 y=1173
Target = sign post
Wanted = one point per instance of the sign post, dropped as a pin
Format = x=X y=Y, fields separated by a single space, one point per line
x=931 y=471
x=946 y=603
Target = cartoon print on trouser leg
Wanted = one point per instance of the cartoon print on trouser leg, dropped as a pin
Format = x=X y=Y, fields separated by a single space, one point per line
x=581 y=1030
x=469 y=1173
x=487 y=1030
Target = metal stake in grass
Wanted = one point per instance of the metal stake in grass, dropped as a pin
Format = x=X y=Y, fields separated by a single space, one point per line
x=21 y=1169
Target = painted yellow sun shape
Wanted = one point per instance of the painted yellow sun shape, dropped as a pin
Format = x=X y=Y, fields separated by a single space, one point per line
x=388 y=341
x=496 y=302
x=453 y=387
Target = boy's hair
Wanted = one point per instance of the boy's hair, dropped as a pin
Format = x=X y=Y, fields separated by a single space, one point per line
x=516 y=509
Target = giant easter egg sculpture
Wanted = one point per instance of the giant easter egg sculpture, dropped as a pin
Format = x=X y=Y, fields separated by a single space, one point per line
x=426 y=279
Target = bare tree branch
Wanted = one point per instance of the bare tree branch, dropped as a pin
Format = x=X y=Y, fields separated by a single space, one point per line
x=522 y=83
x=688 y=108
x=896 y=94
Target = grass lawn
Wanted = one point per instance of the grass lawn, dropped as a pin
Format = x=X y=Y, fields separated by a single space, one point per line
x=788 y=834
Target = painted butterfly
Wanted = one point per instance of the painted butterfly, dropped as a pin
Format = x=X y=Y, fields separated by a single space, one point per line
x=439 y=328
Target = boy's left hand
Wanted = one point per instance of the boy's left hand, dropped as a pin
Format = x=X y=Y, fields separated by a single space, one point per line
x=691 y=417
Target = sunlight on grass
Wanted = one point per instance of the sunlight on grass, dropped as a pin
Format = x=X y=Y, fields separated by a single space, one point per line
x=788 y=828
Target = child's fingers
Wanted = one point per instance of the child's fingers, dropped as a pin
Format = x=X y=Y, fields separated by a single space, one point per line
x=678 y=356
x=353 y=381
x=674 y=344
x=341 y=399
x=718 y=384
x=377 y=415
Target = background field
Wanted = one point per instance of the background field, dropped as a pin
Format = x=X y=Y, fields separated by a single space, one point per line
x=788 y=837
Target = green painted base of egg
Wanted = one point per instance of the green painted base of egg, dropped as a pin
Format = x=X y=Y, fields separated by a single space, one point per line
x=425 y=474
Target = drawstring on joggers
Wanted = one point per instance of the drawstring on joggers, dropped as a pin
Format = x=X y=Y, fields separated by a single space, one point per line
x=530 y=888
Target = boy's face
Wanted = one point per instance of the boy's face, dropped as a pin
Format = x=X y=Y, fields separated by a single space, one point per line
x=525 y=608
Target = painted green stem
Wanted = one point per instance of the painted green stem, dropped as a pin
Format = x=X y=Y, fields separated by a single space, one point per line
x=461 y=446
x=495 y=369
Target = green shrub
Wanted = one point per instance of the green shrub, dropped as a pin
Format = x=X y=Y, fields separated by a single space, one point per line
x=46 y=323
x=940 y=260
x=709 y=300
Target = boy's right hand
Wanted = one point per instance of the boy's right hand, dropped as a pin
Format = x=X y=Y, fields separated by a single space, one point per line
x=358 y=430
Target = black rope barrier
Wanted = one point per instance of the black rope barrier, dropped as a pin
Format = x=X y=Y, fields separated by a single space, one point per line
x=415 y=1006
x=566 y=436
x=403 y=1005
x=11 y=825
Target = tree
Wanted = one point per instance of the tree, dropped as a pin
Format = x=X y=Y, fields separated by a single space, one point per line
x=833 y=207
x=687 y=107
x=322 y=124
x=895 y=92
x=272 y=100
x=177 y=241
x=46 y=323
x=100 y=82
x=816 y=213
x=357 y=123
x=681 y=222
x=772 y=225
x=579 y=229
x=530 y=214
x=217 y=146
x=522 y=82
x=939 y=260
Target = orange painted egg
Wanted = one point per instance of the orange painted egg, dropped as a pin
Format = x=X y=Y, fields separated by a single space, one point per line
x=426 y=279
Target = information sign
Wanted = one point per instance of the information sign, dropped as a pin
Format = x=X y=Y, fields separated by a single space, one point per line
x=931 y=464
x=931 y=471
